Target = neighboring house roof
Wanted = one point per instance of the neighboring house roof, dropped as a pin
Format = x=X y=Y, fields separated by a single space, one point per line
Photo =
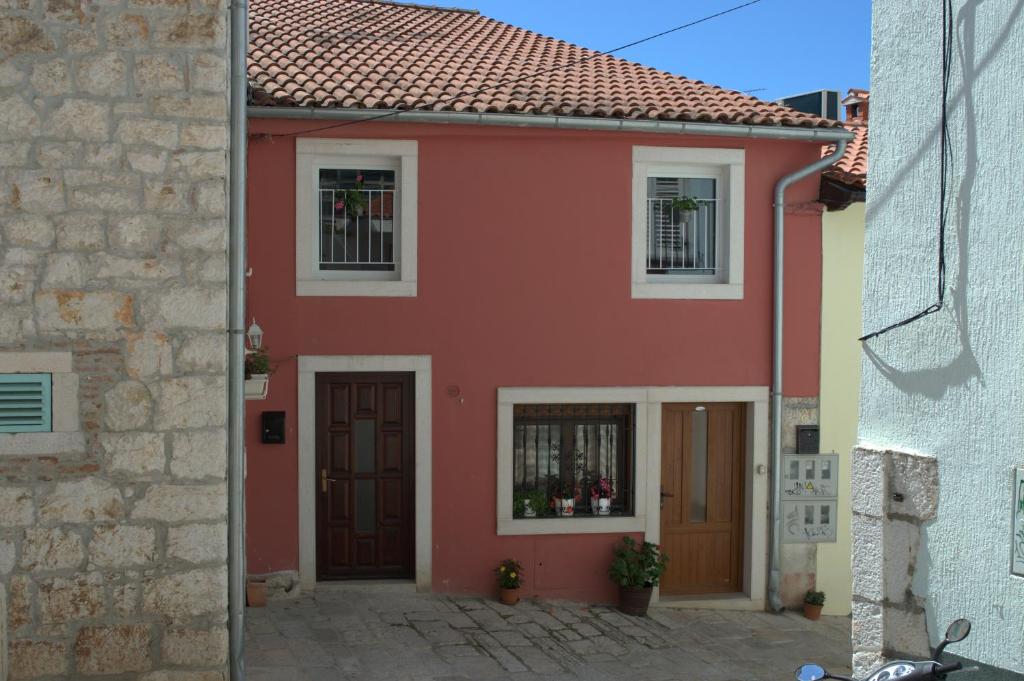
x=373 y=54
x=852 y=168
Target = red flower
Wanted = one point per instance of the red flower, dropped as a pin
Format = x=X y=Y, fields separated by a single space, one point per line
x=340 y=205
x=359 y=178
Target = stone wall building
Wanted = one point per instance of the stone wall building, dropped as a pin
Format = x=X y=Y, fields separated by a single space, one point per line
x=113 y=166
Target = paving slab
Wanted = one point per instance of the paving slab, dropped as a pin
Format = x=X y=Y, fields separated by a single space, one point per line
x=374 y=632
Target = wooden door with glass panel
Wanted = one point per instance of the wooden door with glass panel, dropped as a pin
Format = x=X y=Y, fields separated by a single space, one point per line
x=702 y=468
x=365 y=483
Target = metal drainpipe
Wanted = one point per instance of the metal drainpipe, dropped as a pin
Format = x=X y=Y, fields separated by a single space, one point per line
x=775 y=569
x=236 y=340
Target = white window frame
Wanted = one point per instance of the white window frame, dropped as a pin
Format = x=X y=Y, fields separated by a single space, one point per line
x=65 y=435
x=314 y=154
x=727 y=167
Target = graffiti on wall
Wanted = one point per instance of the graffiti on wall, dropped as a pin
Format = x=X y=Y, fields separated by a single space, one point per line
x=1017 y=540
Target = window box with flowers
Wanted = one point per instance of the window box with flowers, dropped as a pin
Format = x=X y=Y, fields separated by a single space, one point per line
x=257 y=374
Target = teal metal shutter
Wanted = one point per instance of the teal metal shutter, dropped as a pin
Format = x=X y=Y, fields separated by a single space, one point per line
x=25 y=404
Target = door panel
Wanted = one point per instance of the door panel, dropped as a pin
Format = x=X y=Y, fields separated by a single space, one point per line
x=702 y=515
x=365 y=504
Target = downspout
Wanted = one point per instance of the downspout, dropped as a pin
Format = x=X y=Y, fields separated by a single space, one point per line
x=775 y=568
x=236 y=340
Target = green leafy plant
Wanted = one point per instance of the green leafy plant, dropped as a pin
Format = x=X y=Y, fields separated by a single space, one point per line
x=685 y=203
x=353 y=200
x=815 y=598
x=510 y=573
x=636 y=565
x=257 y=362
x=538 y=499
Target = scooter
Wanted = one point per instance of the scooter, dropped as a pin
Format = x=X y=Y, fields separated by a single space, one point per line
x=904 y=670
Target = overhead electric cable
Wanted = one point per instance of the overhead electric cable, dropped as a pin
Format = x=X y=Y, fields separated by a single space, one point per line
x=947 y=56
x=467 y=93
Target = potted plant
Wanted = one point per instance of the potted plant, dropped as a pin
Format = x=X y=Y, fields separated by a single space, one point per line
x=814 y=601
x=530 y=504
x=257 y=374
x=510 y=578
x=353 y=199
x=636 y=569
x=601 y=495
x=565 y=499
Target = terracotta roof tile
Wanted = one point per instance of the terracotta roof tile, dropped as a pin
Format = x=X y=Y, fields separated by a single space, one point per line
x=376 y=54
x=852 y=168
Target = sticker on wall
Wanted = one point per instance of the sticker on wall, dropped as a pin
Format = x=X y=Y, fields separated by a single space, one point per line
x=1017 y=560
x=808 y=522
x=810 y=476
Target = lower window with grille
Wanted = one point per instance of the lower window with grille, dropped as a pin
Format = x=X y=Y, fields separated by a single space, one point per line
x=572 y=460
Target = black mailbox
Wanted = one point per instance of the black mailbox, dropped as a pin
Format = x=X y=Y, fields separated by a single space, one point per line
x=272 y=428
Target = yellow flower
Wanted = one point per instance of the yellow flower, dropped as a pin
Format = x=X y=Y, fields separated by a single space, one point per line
x=502 y=568
x=512 y=575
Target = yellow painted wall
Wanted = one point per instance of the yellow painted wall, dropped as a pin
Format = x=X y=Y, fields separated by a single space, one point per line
x=842 y=273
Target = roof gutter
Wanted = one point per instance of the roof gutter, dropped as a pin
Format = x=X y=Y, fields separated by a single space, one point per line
x=238 y=123
x=775 y=569
x=823 y=135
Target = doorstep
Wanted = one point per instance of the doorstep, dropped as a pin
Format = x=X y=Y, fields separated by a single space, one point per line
x=739 y=601
x=391 y=586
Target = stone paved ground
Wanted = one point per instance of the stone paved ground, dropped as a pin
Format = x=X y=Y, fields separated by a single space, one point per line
x=381 y=633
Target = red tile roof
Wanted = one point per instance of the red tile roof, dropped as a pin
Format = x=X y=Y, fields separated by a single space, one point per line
x=372 y=54
x=852 y=168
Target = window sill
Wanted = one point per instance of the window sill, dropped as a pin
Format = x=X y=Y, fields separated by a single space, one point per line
x=337 y=287
x=40 y=444
x=580 y=525
x=683 y=291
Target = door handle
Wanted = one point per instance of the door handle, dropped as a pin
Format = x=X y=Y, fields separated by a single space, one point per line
x=323 y=480
x=663 y=495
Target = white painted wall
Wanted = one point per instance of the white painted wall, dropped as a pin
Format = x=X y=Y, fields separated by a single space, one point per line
x=951 y=385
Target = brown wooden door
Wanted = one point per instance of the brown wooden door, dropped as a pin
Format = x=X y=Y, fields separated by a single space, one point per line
x=364 y=468
x=702 y=457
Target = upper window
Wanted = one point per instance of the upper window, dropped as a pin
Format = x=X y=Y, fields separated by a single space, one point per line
x=687 y=223
x=356 y=217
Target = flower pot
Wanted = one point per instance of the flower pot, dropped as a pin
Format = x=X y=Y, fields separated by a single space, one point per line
x=566 y=507
x=634 y=600
x=256 y=594
x=508 y=596
x=604 y=506
x=811 y=611
x=256 y=387
x=593 y=507
x=528 y=510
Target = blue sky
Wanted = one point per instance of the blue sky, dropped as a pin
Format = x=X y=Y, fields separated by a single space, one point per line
x=784 y=46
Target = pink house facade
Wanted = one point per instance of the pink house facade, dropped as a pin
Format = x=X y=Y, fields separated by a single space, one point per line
x=468 y=322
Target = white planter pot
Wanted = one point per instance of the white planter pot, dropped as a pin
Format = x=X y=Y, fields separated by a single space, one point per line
x=528 y=510
x=256 y=387
x=604 y=506
x=566 y=507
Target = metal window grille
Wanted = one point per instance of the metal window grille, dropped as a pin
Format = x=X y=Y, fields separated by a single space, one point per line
x=681 y=242
x=25 y=403
x=554 y=445
x=358 y=234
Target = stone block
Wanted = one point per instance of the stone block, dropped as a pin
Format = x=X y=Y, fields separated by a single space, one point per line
x=191 y=307
x=124 y=599
x=148 y=161
x=199 y=164
x=22 y=595
x=206 y=235
x=147 y=131
x=81 y=119
x=198 y=543
x=16 y=506
x=8 y=559
x=13 y=154
x=103 y=74
x=34 y=231
x=213 y=107
x=916 y=477
x=209 y=73
x=906 y=633
x=126 y=30
x=51 y=548
x=113 y=649
x=119 y=546
x=868 y=562
x=195 y=647
x=184 y=595
x=190 y=30
x=107 y=155
x=66 y=599
x=868 y=482
x=18 y=120
x=33 y=659
x=210 y=197
x=191 y=402
x=17 y=283
x=204 y=136
x=86 y=500
x=80 y=231
x=37 y=191
x=158 y=73
x=59 y=154
x=199 y=454
x=902 y=540
x=866 y=628
x=70 y=310
x=147 y=354
x=134 y=272
x=864 y=661
x=20 y=35
x=51 y=77
x=65 y=270
x=203 y=353
x=182 y=503
x=113 y=199
x=136 y=233
x=128 y=406
x=172 y=675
